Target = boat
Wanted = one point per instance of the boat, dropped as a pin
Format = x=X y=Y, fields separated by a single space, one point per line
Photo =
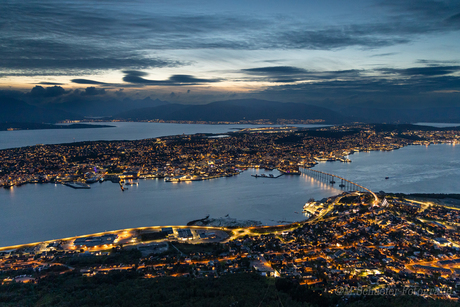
x=387 y=177
x=173 y=179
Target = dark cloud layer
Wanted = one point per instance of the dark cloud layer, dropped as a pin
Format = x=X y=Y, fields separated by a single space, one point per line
x=86 y=81
x=275 y=70
x=423 y=71
x=74 y=37
x=50 y=83
x=289 y=74
x=136 y=77
x=430 y=85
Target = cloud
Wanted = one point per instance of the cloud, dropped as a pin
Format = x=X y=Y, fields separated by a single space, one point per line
x=86 y=81
x=275 y=70
x=379 y=55
x=48 y=92
x=175 y=80
x=50 y=83
x=188 y=79
x=68 y=37
x=427 y=85
x=289 y=74
x=422 y=71
x=436 y=62
x=135 y=73
x=429 y=10
x=411 y=83
x=93 y=91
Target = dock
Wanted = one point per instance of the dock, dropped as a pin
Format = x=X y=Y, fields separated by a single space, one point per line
x=77 y=185
x=269 y=176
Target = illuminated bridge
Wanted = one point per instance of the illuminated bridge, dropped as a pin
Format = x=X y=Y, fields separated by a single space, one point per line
x=334 y=179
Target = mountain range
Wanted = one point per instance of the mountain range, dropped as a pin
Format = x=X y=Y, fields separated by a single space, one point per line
x=234 y=110
x=16 y=110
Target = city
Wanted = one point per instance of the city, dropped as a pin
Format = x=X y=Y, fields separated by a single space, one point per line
x=229 y=153
x=349 y=242
x=199 y=157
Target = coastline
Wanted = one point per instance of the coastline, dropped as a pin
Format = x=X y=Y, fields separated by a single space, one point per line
x=38 y=126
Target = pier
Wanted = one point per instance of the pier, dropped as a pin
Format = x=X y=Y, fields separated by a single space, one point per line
x=333 y=179
x=269 y=176
x=77 y=185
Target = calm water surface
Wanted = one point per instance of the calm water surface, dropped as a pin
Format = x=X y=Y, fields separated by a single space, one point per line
x=412 y=169
x=37 y=212
x=439 y=125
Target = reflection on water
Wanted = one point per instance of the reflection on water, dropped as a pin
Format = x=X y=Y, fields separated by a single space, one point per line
x=412 y=169
x=45 y=211
x=439 y=125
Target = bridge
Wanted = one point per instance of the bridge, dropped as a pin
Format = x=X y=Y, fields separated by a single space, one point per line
x=333 y=179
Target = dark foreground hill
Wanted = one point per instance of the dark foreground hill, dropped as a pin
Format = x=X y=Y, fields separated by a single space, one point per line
x=130 y=289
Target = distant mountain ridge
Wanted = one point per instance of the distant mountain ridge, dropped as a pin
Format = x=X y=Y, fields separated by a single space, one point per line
x=96 y=106
x=14 y=110
x=77 y=108
x=234 y=110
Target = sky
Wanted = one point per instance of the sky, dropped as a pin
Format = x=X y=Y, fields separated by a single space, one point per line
x=334 y=53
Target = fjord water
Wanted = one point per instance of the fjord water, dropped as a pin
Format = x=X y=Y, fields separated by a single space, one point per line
x=120 y=131
x=37 y=212
x=412 y=169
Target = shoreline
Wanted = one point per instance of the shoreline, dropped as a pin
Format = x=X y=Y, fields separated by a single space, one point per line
x=199 y=122
x=139 y=230
x=38 y=126
x=242 y=168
